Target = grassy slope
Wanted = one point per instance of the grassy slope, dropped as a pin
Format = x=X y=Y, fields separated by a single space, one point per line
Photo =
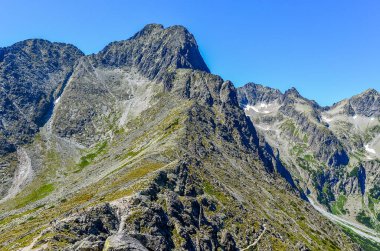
x=127 y=164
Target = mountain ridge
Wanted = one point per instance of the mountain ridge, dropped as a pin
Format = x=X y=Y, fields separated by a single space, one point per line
x=146 y=149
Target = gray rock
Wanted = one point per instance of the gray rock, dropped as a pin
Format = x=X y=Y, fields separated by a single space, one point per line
x=123 y=242
x=33 y=73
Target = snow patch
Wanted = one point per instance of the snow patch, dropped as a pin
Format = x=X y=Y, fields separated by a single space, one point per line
x=354 y=117
x=372 y=118
x=370 y=150
x=262 y=105
x=265 y=128
x=326 y=119
x=57 y=100
x=262 y=108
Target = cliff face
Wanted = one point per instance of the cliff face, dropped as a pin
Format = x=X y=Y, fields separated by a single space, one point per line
x=146 y=150
x=329 y=151
x=32 y=75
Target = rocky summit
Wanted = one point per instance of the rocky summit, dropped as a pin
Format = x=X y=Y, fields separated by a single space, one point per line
x=140 y=147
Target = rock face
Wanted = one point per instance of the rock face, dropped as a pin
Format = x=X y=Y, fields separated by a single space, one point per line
x=124 y=70
x=334 y=147
x=365 y=104
x=146 y=150
x=291 y=110
x=33 y=73
x=175 y=48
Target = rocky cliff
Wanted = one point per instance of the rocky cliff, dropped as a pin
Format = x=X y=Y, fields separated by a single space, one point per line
x=330 y=151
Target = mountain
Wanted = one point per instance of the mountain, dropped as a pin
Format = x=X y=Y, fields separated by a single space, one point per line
x=331 y=152
x=33 y=73
x=365 y=104
x=145 y=149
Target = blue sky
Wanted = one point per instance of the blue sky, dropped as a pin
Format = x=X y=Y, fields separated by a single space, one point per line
x=328 y=50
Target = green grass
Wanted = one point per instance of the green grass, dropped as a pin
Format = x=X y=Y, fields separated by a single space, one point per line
x=289 y=126
x=337 y=207
x=375 y=192
x=365 y=244
x=211 y=190
x=87 y=159
x=36 y=195
x=363 y=218
x=305 y=139
x=8 y=219
x=354 y=172
x=371 y=203
x=298 y=150
x=130 y=154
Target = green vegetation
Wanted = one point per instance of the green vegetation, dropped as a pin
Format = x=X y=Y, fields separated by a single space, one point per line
x=8 y=219
x=363 y=218
x=87 y=159
x=213 y=191
x=371 y=132
x=365 y=244
x=130 y=154
x=354 y=172
x=36 y=195
x=305 y=139
x=298 y=150
x=324 y=194
x=337 y=207
x=375 y=192
x=289 y=126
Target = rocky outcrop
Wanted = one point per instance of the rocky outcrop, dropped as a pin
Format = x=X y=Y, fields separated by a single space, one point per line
x=33 y=73
x=324 y=144
x=154 y=51
x=365 y=104
x=253 y=94
x=126 y=72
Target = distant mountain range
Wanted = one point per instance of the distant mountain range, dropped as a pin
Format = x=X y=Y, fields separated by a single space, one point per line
x=140 y=147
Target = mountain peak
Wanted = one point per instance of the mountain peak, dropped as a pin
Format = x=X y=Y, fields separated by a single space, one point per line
x=370 y=91
x=366 y=103
x=155 y=50
x=292 y=91
x=253 y=93
x=149 y=29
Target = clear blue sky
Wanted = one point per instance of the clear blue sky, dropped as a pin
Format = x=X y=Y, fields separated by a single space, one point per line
x=327 y=49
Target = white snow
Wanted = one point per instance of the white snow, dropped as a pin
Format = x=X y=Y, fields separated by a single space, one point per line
x=372 y=118
x=57 y=100
x=262 y=108
x=265 y=128
x=263 y=105
x=370 y=150
x=354 y=117
x=326 y=119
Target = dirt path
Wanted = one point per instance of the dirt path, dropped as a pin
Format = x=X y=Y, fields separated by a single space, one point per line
x=30 y=247
x=256 y=241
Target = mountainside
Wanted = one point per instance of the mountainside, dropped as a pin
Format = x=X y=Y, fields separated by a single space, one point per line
x=33 y=73
x=144 y=149
x=331 y=152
